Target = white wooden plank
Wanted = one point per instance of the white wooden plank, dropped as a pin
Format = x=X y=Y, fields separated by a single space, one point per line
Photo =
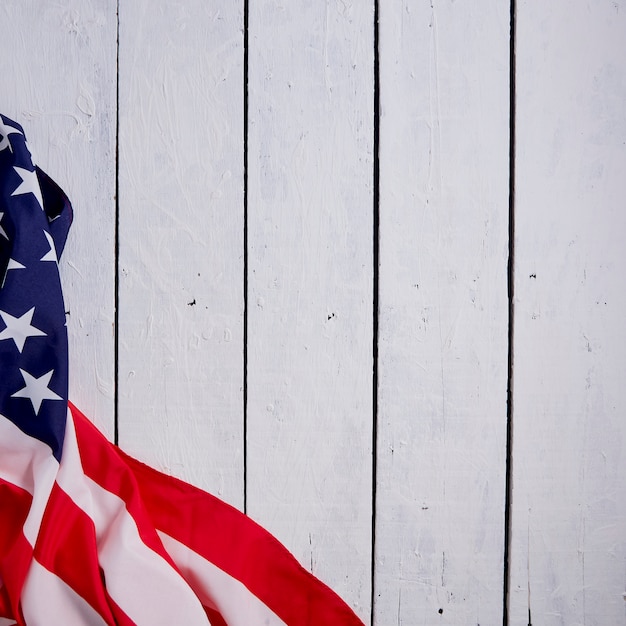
x=569 y=457
x=181 y=240
x=310 y=285
x=57 y=62
x=443 y=312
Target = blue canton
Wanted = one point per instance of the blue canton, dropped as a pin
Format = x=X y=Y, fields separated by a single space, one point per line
x=35 y=216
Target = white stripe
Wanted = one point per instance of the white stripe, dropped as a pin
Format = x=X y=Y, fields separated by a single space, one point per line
x=217 y=589
x=47 y=601
x=27 y=463
x=143 y=584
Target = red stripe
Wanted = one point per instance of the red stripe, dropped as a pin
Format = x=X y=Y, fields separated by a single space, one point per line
x=214 y=617
x=102 y=463
x=66 y=546
x=16 y=553
x=216 y=531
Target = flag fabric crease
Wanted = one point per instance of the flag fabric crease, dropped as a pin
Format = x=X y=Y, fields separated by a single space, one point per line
x=89 y=535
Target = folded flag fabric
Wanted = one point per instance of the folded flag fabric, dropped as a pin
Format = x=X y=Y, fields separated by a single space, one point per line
x=89 y=535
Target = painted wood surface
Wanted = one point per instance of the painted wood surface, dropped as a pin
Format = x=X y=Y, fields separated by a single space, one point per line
x=285 y=424
x=181 y=240
x=444 y=79
x=569 y=456
x=310 y=285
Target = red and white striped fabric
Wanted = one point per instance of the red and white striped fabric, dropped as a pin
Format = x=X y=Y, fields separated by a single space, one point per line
x=100 y=538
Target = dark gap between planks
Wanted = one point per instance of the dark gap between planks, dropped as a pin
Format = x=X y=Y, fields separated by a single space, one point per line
x=375 y=294
x=116 y=245
x=511 y=319
x=245 y=255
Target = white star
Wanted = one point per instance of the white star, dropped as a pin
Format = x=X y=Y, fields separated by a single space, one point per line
x=5 y=131
x=19 y=328
x=13 y=265
x=29 y=184
x=36 y=389
x=51 y=255
x=2 y=231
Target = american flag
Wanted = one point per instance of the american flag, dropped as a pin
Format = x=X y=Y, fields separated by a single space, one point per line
x=89 y=535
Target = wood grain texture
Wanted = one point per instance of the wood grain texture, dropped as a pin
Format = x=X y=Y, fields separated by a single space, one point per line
x=181 y=240
x=58 y=68
x=443 y=313
x=310 y=285
x=569 y=454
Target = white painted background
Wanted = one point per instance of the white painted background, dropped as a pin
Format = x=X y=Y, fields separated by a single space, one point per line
x=362 y=383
